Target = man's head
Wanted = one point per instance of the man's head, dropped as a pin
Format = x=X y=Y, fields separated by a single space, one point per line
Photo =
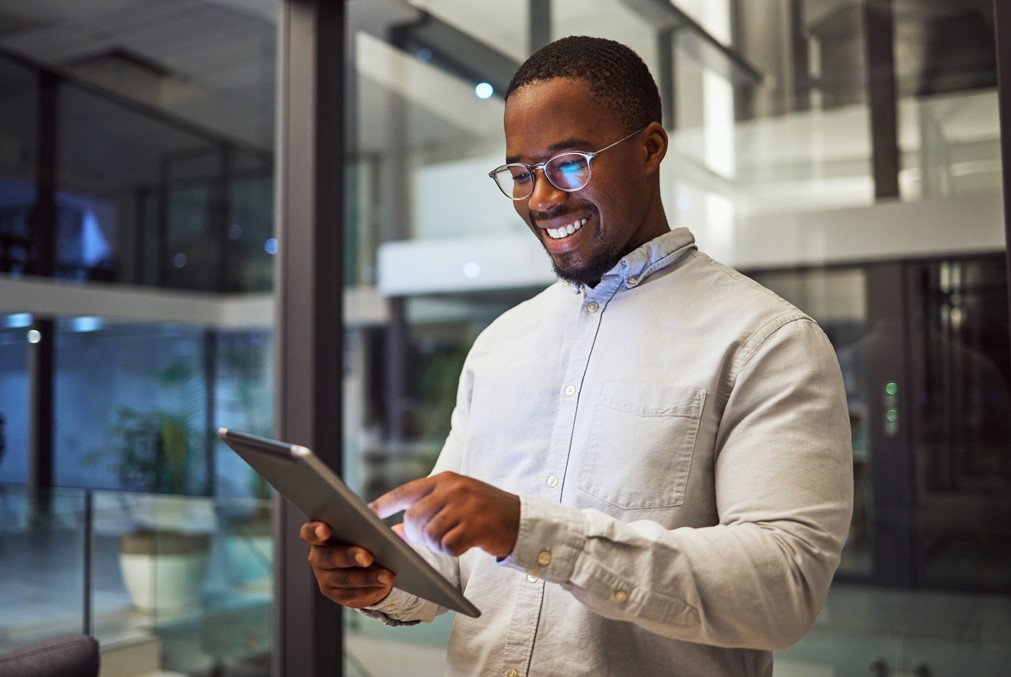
x=584 y=94
x=617 y=77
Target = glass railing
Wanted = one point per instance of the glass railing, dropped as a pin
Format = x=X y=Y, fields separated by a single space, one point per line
x=163 y=582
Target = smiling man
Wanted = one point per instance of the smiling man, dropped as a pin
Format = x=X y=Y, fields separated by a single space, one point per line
x=649 y=465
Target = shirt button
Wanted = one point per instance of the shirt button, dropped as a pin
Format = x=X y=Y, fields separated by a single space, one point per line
x=513 y=673
x=570 y=390
x=544 y=558
x=620 y=596
x=532 y=579
x=592 y=307
x=552 y=481
x=632 y=281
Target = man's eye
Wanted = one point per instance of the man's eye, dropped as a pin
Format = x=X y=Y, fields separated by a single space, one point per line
x=521 y=175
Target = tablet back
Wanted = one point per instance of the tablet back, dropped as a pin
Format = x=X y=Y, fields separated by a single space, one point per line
x=312 y=487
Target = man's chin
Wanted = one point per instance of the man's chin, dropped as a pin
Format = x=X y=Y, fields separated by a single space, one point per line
x=576 y=276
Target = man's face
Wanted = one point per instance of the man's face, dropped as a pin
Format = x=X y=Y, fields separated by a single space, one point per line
x=615 y=212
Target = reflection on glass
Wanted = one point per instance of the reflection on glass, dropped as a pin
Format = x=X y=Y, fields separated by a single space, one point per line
x=837 y=300
x=147 y=429
x=243 y=400
x=964 y=450
x=18 y=120
x=185 y=576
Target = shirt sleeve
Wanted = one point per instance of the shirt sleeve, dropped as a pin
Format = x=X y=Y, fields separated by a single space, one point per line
x=784 y=492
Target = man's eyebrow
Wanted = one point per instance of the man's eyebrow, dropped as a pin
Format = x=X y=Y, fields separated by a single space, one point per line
x=571 y=143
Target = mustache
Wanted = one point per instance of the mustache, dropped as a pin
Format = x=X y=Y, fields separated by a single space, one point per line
x=557 y=214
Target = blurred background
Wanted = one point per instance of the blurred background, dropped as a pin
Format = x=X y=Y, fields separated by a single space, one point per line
x=845 y=153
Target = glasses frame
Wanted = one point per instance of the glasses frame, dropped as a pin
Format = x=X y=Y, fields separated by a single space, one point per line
x=532 y=169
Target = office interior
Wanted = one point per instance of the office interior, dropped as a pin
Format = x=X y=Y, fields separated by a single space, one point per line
x=153 y=162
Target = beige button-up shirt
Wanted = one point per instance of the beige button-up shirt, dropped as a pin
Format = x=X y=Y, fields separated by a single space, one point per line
x=680 y=440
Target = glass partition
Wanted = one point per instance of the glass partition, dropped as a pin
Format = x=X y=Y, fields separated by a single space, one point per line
x=44 y=564
x=165 y=583
x=781 y=141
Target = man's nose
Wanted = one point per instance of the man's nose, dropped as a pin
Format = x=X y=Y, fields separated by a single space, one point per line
x=545 y=195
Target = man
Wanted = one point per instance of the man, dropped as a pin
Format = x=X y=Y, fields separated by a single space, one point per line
x=649 y=465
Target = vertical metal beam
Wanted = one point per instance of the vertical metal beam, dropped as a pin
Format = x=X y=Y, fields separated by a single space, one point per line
x=667 y=75
x=308 y=629
x=879 y=19
x=211 y=356
x=887 y=359
x=162 y=224
x=43 y=262
x=540 y=24
x=89 y=555
x=43 y=234
x=220 y=218
x=395 y=186
x=41 y=337
x=1002 y=36
x=799 y=58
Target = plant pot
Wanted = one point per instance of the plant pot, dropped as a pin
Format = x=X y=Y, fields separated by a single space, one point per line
x=163 y=571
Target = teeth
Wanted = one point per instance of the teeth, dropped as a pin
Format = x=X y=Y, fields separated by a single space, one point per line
x=562 y=231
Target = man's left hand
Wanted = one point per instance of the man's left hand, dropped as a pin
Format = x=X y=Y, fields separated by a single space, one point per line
x=451 y=514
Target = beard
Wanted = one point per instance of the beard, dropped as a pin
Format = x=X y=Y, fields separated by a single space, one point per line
x=570 y=267
x=604 y=257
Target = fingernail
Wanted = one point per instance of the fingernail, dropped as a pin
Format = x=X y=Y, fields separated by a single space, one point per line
x=317 y=532
x=385 y=578
x=361 y=559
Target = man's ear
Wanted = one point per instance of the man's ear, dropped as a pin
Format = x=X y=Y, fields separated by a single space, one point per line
x=655 y=147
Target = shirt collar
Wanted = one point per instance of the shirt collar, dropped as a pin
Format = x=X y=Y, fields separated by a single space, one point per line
x=640 y=263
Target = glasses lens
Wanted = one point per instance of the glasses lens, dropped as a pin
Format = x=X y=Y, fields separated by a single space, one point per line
x=514 y=181
x=570 y=171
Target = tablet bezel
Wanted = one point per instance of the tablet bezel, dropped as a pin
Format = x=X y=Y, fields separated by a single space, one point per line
x=316 y=490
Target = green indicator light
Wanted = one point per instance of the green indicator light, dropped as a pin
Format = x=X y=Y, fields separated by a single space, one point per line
x=891 y=387
x=892 y=415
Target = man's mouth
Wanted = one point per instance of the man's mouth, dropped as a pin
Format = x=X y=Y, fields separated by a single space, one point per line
x=565 y=230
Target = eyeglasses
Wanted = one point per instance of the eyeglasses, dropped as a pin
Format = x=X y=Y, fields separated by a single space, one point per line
x=569 y=171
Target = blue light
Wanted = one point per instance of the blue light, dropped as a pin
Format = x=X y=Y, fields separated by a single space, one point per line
x=86 y=324
x=270 y=246
x=484 y=90
x=18 y=320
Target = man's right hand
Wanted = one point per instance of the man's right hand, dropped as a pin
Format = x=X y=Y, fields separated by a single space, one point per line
x=345 y=574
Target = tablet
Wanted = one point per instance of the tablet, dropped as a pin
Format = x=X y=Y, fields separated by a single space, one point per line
x=312 y=487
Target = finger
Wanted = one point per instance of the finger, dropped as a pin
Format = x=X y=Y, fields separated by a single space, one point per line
x=355 y=598
x=456 y=541
x=339 y=557
x=314 y=533
x=436 y=530
x=335 y=579
x=402 y=497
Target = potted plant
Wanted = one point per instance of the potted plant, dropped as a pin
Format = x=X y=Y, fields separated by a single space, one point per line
x=164 y=551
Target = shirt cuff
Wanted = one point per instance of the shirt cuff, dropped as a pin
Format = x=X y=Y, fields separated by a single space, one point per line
x=550 y=540
x=385 y=610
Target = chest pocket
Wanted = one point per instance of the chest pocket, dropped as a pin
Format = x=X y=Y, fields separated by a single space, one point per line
x=641 y=444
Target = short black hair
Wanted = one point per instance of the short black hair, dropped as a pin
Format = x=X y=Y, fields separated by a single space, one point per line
x=615 y=74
